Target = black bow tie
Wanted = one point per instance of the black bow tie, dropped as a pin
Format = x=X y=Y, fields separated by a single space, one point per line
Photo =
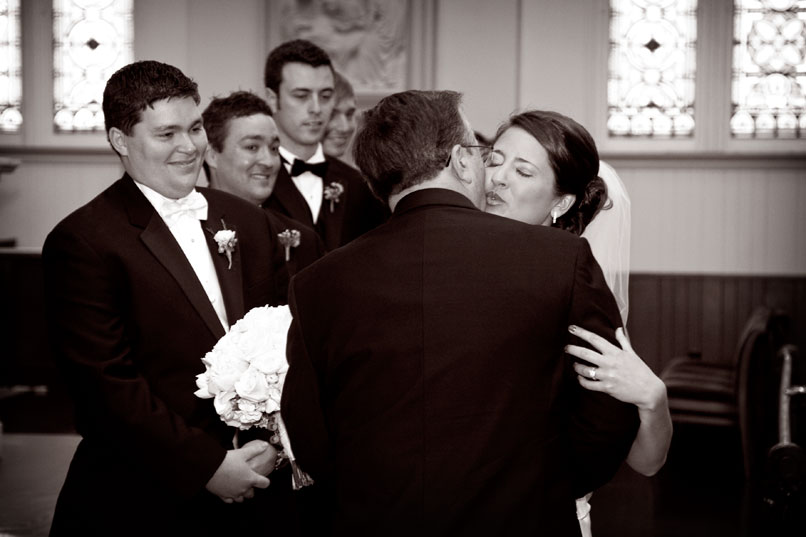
x=299 y=167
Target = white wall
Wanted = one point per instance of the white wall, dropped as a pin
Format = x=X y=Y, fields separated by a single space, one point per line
x=705 y=212
x=694 y=214
x=221 y=45
x=475 y=54
x=45 y=188
x=740 y=216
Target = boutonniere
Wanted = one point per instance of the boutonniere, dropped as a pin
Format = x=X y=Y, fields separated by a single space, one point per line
x=290 y=238
x=333 y=192
x=226 y=241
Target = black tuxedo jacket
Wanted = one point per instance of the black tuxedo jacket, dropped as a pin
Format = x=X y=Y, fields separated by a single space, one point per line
x=129 y=323
x=357 y=211
x=428 y=389
x=310 y=246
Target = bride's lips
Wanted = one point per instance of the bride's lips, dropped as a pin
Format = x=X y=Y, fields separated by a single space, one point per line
x=493 y=199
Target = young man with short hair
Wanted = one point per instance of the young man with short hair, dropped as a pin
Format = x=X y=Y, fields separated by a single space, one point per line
x=137 y=292
x=319 y=191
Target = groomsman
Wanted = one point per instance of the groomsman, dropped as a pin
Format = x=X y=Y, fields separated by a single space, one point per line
x=342 y=124
x=242 y=158
x=428 y=389
x=319 y=191
x=138 y=289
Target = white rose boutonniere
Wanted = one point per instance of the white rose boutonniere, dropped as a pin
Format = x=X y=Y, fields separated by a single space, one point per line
x=333 y=193
x=226 y=241
x=244 y=375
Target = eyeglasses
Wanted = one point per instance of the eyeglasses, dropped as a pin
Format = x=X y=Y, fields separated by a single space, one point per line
x=493 y=158
x=485 y=150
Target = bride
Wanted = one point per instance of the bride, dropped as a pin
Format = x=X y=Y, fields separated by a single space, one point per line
x=544 y=169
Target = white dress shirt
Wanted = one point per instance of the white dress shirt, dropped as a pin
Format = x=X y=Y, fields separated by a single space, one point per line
x=188 y=232
x=310 y=185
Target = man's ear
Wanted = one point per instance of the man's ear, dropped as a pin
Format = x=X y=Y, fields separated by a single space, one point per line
x=271 y=98
x=211 y=157
x=460 y=164
x=119 y=141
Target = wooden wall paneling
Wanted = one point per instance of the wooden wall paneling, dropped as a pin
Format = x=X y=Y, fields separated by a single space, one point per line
x=695 y=312
x=667 y=319
x=729 y=316
x=643 y=324
x=673 y=315
x=799 y=223
x=682 y=317
x=759 y=294
x=780 y=293
x=712 y=341
x=798 y=327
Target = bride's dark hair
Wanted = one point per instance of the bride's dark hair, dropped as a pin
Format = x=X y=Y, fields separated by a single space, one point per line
x=574 y=159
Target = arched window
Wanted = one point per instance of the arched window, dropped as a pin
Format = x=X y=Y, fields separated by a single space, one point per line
x=769 y=69
x=92 y=39
x=10 y=67
x=652 y=66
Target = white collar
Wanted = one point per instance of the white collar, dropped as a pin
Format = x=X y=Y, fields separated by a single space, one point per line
x=155 y=198
x=158 y=201
x=288 y=156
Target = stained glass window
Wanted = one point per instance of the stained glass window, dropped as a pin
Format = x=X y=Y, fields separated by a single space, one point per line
x=92 y=40
x=769 y=69
x=10 y=67
x=651 y=68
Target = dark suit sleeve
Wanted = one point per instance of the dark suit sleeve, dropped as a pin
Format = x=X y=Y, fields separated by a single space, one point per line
x=300 y=407
x=602 y=428
x=93 y=341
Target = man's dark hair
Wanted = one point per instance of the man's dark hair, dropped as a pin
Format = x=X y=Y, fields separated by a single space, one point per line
x=222 y=110
x=140 y=84
x=342 y=87
x=296 y=51
x=407 y=138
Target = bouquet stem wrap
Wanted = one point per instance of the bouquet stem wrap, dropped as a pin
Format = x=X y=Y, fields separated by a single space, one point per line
x=299 y=478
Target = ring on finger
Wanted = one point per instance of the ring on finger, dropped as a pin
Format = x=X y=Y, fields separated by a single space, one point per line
x=593 y=373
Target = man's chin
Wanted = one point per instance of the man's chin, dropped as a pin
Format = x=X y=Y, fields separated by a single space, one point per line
x=187 y=180
x=260 y=195
x=312 y=137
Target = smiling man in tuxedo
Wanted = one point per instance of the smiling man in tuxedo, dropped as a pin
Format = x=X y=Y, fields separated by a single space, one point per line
x=137 y=291
x=242 y=158
x=319 y=191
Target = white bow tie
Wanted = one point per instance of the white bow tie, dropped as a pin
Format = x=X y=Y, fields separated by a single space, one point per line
x=193 y=205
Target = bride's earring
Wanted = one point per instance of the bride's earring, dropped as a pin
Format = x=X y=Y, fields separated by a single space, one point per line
x=553 y=216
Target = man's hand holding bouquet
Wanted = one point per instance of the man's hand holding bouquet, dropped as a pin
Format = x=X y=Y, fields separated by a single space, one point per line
x=244 y=376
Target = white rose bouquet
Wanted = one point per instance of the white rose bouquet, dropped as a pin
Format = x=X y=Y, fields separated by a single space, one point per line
x=244 y=375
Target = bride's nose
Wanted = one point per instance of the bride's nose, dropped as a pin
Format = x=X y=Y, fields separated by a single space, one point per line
x=496 y=177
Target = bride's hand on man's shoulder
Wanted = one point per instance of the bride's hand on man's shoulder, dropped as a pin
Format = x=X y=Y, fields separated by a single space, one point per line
x=616 y=371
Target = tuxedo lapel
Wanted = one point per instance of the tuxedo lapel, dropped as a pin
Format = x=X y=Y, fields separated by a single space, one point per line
x=287 y=195
x=157 y=237
x=230 y=278
x=162 y=244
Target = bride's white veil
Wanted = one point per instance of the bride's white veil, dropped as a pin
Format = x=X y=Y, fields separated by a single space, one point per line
x=609 y=238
